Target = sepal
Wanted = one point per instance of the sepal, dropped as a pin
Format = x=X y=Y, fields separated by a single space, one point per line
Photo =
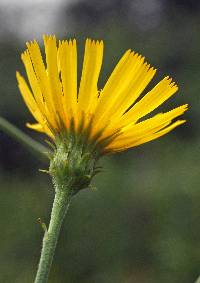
x=72 y=164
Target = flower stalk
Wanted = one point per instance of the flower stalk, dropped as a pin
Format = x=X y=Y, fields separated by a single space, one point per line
x=59 y=210
x=72 y=166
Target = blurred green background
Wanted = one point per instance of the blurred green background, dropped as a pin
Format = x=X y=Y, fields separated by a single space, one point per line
x=142 y=224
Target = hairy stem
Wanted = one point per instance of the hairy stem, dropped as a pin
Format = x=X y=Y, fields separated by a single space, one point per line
x=60 y=207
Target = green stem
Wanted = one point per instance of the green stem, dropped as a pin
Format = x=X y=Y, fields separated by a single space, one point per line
x=24 y=139
x=60 y=206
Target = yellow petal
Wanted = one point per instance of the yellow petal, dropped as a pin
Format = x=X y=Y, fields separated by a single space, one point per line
x=36 y=89
x=67 y=58
x=132 y=133
x=40 y=128
x=155 y=120
x=114 y=84
x=88 y=91
x=41 y=74
x=36 y=127
x=118 y=86
x=128 y=97
x=160 y=93
x=139 y=82
x=53 y=75
x=28 y=98
x=159 y=133
x=32 y=78
x=146 y=138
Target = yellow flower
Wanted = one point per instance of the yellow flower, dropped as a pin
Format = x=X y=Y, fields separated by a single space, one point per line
x=111 y=117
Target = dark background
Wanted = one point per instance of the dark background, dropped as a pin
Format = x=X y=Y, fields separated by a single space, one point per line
x=142 y=223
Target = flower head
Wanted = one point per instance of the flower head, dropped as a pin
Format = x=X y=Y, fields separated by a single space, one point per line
x=110 y=119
